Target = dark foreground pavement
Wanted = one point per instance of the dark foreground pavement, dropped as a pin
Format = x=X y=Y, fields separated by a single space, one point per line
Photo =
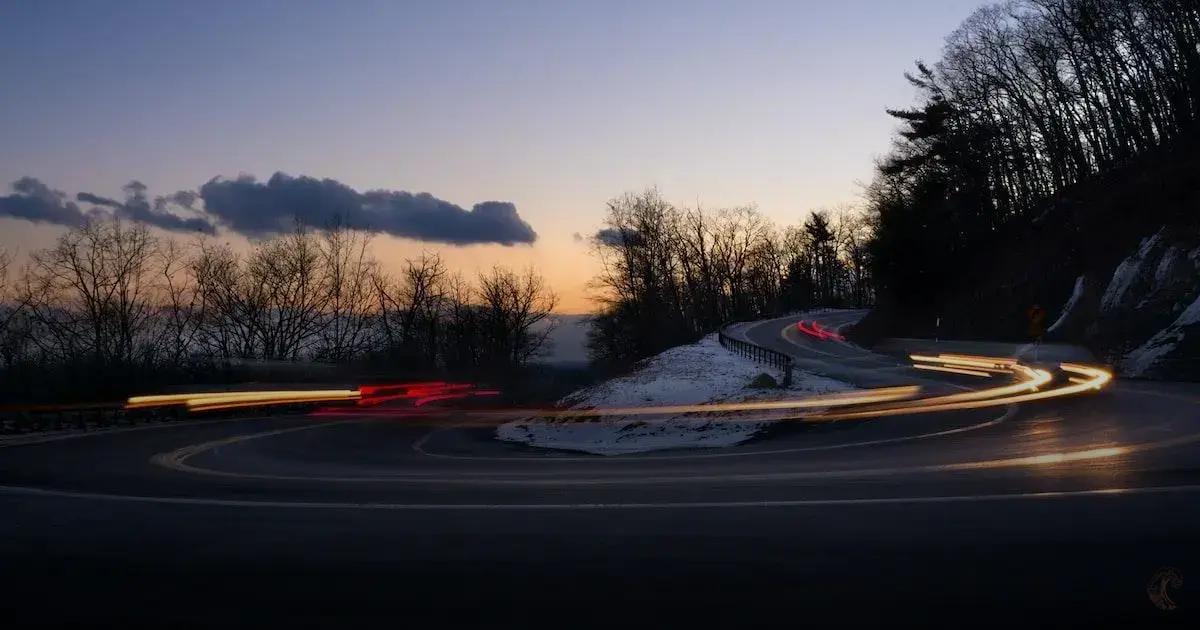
x=381 y=521
x=237 y=567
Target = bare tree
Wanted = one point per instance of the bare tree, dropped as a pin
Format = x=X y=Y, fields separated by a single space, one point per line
x=349 y=272
x=285 y=274
x=463 y=341
x=178 y=304
x=110 y=301
x=411 y=309
x=515 y=311
x=669 y=275
x=853 y=232
x=88 y=296
x=231 y=308
x=14 y=333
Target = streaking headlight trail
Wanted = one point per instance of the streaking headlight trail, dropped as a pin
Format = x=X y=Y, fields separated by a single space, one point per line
x=212 y=401
x=1029 y=385
x=1026 y=389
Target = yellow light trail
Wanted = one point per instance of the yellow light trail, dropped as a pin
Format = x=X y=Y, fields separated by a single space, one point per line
x=962 y=358
x=981 y=363
x=937 y=368
x=211 y=401
x=235 y=402
x=160 y=400
x=1023 y=391
x=887 y=401
x=229 y=400
x=1031 y=380
x=883 y=394
x=901 y=398
x=1047 y=459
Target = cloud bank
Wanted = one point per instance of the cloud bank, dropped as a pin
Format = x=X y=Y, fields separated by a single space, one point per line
x=138 y=208
x=262 y=209
x=34 y=201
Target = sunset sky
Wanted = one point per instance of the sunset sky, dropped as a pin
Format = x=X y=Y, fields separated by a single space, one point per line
x=555 y=107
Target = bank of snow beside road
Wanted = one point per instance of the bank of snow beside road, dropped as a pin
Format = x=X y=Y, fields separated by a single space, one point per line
x=702 y=372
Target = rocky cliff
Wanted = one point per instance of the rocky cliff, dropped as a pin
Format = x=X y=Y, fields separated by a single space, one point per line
x=1145 y=316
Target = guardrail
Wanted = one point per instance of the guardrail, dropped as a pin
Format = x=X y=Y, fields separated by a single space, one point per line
x=18 y=419
x=757 y=353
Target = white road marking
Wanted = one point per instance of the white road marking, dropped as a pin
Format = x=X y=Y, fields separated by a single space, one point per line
x=323 y=505
x=176 y=460
x=419 y=446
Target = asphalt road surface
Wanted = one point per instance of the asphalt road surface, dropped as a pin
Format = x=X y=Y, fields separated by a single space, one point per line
x=936 y=518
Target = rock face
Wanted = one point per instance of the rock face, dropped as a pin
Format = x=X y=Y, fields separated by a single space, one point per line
x=1145 y=317
x=763 y=381
x=1149 y=313
x=1134 y=277
x=1172 y=353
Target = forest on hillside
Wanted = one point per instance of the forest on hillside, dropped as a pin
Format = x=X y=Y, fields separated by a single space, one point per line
x=1050 y=138
x=670 y=274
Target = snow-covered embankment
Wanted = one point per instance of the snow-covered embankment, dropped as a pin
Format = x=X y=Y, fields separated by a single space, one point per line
x=696 y=373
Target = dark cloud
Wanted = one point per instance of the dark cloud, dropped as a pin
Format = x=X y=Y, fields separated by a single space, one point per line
x=613 y=236
x=263 y=209
x=137 y=207
x=184 y=199
x=87 y=197
x=34 y=201
x=258 y=209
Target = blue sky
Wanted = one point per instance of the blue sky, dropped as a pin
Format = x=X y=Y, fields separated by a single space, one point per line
x=554 y=106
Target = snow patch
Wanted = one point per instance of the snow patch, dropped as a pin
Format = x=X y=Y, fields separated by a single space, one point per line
x=1190 y=315
x=1166 y=271
x=702 y=372
x=1141 y=360
x=1130 y=273
x=1071 y=305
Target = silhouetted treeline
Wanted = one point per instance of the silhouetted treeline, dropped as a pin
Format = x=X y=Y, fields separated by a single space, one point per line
x=671 y=274
x=1029 y=99
x=111 y=308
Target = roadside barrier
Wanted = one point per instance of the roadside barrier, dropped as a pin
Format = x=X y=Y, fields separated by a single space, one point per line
x=757 y=353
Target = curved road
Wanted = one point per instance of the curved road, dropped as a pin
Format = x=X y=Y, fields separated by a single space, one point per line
x=962 y=517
